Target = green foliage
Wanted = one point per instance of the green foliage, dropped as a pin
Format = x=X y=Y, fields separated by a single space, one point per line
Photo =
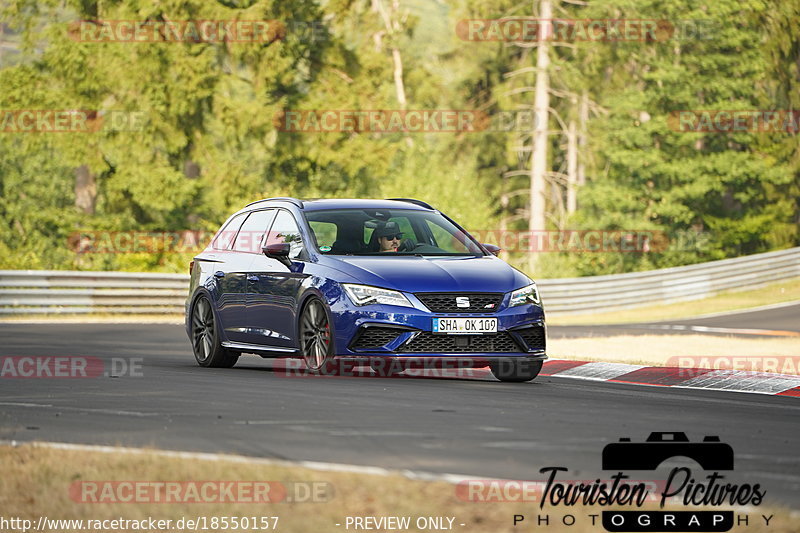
x=209 y=139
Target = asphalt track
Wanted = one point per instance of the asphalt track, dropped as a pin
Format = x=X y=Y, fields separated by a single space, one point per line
x=782 y=320
x=466 y=426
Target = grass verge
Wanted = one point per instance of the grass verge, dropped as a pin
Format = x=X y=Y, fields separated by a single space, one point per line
x=36 y=482
x=784 y=291
x=781 y=355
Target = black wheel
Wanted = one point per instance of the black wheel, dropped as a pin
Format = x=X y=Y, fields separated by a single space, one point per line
x=316 y=343
x=206 y=344
x=515 y=371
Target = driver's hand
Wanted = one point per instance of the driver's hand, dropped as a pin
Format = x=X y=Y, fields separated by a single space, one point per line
x=406 y=246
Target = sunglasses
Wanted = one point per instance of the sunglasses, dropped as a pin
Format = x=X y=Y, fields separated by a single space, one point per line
x=393 y=237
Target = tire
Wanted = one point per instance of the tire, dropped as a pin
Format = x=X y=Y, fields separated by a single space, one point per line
x=515 y=371
x=316 y=341
x=206 y=344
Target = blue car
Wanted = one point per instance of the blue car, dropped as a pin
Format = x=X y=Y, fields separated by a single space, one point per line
x=361 y=282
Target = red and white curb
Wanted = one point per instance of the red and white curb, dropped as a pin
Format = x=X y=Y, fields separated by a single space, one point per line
x=658 y=376
x=687 y=378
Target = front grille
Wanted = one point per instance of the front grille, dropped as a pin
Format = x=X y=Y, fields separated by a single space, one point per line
x=427 y=342
x=533 y=336
x=375 y=337
x=445 y=302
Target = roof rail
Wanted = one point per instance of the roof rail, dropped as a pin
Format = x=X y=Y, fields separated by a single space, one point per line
x=413 y=201
x=294 y=201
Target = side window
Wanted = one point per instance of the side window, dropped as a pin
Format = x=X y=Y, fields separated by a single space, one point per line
x=253 y=230
x=445 y=240
x=285 y=229
x=224 y=238
x=325 y=232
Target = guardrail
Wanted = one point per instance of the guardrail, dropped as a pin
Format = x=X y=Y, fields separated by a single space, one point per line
x=61 y=291
x=69 y=291
x=668 y=285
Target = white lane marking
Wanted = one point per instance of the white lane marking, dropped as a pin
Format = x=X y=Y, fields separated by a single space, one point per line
x=78 y=409
x=723 y=380
x=277 y=422
x=709 y=329
x=600 y=371
x=739 y=311
x=634 y=384
x=312 y=465
x=744 y=381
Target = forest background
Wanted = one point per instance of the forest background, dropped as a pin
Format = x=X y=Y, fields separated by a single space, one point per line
x=204 y=132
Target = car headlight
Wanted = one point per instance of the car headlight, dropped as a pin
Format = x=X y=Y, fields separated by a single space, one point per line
x=366 y=295
x=525 y=295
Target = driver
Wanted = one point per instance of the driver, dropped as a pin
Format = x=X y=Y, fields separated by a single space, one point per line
x=388 y=236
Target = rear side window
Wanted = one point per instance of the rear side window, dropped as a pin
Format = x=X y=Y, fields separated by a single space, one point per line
x=252 y=232
x=224 y=237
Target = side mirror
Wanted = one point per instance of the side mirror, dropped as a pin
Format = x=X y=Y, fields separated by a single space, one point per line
x=279 y=251
x=493 y=249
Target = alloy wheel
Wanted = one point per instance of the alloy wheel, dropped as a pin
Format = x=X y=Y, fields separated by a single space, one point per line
x=315 y=333
x=202 y=329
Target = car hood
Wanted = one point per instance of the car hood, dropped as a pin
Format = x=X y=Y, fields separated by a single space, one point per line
x=431 y=274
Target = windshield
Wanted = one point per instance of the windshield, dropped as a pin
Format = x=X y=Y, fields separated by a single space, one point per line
x=388 y=232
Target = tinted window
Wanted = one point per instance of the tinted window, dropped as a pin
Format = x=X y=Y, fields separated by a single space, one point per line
x=285 y=229
x=253 y=230
x=422 y=232
x=224 y=238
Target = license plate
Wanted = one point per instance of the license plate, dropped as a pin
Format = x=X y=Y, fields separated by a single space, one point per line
x=464 y=326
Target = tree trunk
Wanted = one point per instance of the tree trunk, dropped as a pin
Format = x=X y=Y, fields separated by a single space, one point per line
x=85 y=189
x=536 y=221
x=572 y=167
x=583 y=118
x=400 y=87
x=392 y=28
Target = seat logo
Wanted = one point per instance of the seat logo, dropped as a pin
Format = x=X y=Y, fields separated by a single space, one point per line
x=462 y=301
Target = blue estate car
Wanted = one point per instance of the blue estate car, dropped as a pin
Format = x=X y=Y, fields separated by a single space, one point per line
x=360 y=281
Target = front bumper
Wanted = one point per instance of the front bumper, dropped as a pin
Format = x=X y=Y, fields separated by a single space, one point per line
x=404 y=332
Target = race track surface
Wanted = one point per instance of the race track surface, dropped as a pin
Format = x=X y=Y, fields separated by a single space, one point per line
x=477 y=427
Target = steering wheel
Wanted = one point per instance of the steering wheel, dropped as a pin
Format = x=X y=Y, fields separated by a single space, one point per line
x=407 y=245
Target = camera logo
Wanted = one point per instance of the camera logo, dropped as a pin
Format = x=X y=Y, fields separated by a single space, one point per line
x=710 y=454
x=681 y=485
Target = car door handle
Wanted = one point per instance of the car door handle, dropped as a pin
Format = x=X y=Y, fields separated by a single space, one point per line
x=219 y=274
x=252 y=277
